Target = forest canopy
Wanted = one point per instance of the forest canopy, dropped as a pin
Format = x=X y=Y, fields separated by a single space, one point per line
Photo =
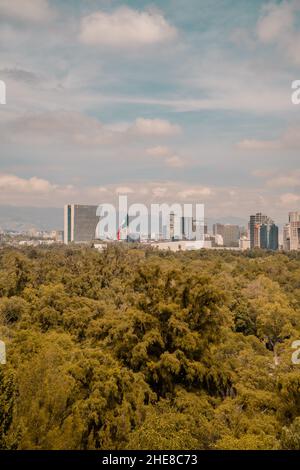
x=133 y=348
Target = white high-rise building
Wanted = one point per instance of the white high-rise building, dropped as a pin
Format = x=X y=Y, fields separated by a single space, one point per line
x=294 y=223
x=187 y=228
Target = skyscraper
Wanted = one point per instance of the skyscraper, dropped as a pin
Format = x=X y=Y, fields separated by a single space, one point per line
x=230 y=233
x=268 y=234
x=181 y=227
x=294 y=219
x=263 y=236
x=273 y=237
x=80 y=222
x=263 y=232
x=255 y=221
x=187 y=228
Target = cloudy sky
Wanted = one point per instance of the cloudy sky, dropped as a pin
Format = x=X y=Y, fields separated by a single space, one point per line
x=166 y=100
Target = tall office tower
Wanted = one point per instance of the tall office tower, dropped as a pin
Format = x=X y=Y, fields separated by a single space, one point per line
x=286 y=237
x=218 y=229
x=80 y=222
x=294 y=223
x=230 y=234
x=264 y=236
x=273 y=237
x=187 y=228
x=268 y=235
x=179 y=226
x=254 y=228
x=252 y=224
x=256 y=241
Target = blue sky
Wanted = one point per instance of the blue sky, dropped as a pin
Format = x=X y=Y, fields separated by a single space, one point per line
x=174 y=100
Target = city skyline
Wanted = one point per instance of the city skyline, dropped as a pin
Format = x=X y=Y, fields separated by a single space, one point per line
x=174 y=223
x=173 y=100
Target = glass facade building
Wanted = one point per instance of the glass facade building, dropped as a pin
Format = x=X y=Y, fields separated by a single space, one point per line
x=80 y=222
x=269 y=237
x=263 y=232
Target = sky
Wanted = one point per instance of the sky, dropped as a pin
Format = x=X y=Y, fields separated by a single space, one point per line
x=166 y=101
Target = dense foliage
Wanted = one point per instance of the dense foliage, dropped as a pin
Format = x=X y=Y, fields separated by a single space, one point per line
x=139 y=349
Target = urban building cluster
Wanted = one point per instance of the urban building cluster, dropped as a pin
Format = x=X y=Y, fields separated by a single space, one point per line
x=80 y=222
x=263 y=232
x=31 y=237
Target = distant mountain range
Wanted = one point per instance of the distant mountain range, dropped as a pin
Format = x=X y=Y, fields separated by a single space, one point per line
x=25 y=218
x=51 y=218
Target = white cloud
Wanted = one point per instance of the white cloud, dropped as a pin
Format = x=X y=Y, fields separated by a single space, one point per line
x=289 y=139
x=276 y=21
x=34 y=191
x=219 y=201
x=159 y=191
x=125 y=27
x=154 y=127
x=286 y=181
x=175 y=161
x=277 y=26
x=124 y=190
x=278 y=179
x=158 y=151
x=169 y=157
x=288 y=199
x=264 y=173
x=57 y=126
x=33 y=11
x=252 y=144
x=14 y=183
x=79 y=129
x=195 y=192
